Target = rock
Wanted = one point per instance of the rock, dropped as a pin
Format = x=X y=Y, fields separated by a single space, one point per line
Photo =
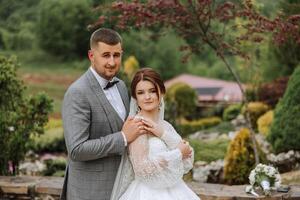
x=232 y=134
x=263 y=143
x=32 y=167
x=286 y=161
x=239 y=122
x=203 y=172
x=224 y=137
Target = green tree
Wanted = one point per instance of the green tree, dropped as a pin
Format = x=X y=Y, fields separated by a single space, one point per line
x=19 y=116
x=284 y=133
x=62 y=27
x=17 y=21
x=159 y=53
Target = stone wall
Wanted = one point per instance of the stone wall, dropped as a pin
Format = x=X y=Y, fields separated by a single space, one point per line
x=49 y=188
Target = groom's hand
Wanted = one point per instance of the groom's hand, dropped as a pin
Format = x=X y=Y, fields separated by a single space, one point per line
x=132 y=128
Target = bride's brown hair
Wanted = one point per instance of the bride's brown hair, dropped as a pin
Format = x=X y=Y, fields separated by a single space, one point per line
x=148 y=74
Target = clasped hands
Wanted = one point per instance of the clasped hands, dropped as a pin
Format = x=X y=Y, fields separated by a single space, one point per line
x=136 y=126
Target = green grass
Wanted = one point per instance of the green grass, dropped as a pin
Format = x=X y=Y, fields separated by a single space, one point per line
x=55 y=91
x=209 y=150
x=223 y=127
x=40 y=62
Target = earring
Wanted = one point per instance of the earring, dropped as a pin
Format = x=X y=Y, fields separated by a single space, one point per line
x=159 y=106
x=138 y=109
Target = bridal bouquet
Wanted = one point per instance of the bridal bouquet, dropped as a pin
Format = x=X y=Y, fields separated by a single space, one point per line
x=263 y=176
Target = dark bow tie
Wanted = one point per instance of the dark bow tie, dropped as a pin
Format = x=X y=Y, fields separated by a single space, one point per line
x=110 y=84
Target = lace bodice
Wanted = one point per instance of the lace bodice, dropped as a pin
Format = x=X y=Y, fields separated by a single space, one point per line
x=156 y=161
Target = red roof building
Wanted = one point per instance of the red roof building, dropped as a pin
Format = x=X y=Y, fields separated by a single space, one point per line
x=210 y=90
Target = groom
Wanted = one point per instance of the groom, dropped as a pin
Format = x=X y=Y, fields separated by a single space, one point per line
x=94 y=112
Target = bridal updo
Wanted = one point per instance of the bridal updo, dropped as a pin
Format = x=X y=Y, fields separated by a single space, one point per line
x=148 y=74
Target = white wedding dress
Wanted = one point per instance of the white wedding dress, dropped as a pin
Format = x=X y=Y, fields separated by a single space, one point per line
x=158 y=168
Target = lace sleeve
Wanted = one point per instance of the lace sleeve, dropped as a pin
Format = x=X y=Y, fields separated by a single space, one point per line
x=172 y=139
x=163 y=170
x=170 y=136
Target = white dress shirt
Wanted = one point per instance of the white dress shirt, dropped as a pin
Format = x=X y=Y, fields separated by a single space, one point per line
x=113 y=96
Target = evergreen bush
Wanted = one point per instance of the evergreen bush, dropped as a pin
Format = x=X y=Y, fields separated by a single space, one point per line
x=240 y=159
x=231 y=112
x=285 y=129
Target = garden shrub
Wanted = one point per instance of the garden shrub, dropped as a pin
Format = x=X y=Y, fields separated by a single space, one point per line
x=189 y=127
x=270 y=93
x=240 y=158
x=55 y=167
x=264 y=122
x=20 y=116
x=255 y=110
x=181 y=101
x=231 y=112
x=285 y=129
x=216 y=110
x=51 y=141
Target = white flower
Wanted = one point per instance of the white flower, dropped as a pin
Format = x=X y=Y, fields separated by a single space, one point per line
x=252 y=177
x=11 y=128
x=266 y=177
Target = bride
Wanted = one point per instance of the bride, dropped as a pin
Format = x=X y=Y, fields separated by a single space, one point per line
x=155 y=162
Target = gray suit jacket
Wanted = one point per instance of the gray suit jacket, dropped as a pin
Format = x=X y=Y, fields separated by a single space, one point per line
x=93 y=139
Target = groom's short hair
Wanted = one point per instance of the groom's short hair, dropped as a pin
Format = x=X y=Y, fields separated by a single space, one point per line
x=105 y=35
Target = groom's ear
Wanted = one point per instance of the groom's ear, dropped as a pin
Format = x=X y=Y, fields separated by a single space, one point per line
x=91 y=55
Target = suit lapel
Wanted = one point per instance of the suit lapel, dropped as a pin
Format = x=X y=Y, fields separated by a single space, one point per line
x=110 y=112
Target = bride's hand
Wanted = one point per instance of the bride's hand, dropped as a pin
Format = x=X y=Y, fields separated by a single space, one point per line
x=153 y=127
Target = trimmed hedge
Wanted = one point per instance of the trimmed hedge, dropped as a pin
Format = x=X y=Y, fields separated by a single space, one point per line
x=189 y=127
